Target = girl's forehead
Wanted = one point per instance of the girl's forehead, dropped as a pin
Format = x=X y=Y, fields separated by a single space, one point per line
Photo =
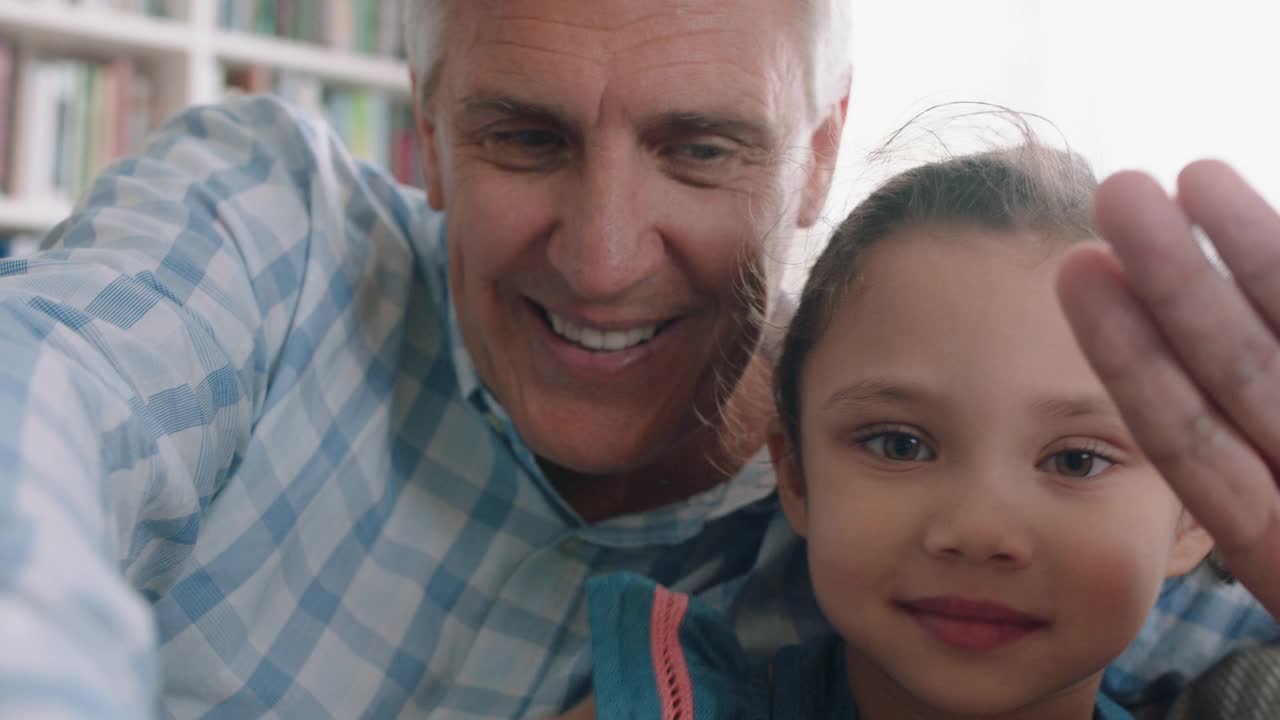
x=954 y=270
x=969 y=307
x=1003 y=250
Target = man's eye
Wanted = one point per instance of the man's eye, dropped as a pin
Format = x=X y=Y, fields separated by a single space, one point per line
x=701 y=152
x=525 y=149
x=703 y=164
x=899 y=446
x=538 y=140
x=1076 y=464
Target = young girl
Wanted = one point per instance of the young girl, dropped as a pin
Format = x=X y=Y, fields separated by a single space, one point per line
x=982 y=532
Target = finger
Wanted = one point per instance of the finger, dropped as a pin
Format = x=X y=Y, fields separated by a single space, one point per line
x=1216 y=473
x=1244 y=228
x=1223 y=344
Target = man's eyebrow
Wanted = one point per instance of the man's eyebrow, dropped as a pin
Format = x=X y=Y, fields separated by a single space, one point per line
x=874 y=392
x=476 y=106
x=744 y=129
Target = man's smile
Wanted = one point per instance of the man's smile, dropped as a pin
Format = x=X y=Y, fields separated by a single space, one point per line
x=601 y=339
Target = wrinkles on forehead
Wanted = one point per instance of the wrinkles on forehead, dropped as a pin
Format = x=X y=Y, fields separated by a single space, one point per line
x=699 y=58
x=600 y=27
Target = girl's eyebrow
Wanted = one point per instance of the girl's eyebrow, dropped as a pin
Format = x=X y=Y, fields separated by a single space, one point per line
x=1074 y=406
x=879 y=391
x=874 y=392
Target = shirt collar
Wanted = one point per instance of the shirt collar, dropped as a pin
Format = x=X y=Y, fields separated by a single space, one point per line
x=470 y=388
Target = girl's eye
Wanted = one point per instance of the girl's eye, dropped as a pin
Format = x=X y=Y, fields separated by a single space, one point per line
x=1076 y=464
x=898 y=446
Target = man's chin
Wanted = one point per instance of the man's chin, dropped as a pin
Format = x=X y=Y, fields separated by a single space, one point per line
x=601 y=462
x=579 y=437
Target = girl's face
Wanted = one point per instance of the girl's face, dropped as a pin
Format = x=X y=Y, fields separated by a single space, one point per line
x=982 y=529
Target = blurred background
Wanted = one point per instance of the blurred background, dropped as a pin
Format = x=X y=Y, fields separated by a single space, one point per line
x=82 y=81
x=1148 y=84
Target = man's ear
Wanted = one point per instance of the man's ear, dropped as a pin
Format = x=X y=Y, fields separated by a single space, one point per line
x=822 y=164
x=791 y=487
x=1191 y=544
x=424 y=121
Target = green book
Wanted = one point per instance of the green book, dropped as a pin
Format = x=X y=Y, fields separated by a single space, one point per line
x=265 y=23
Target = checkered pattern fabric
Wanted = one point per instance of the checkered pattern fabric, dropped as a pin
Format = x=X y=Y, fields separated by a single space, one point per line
x=247 y=471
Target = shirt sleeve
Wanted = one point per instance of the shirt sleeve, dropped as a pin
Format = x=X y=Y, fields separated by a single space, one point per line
x=136 y=349
x=661 y=654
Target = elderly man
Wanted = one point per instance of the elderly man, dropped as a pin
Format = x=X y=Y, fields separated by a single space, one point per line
x=282 y=439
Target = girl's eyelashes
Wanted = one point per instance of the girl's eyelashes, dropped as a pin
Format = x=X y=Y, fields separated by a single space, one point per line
x=1078 y=462
x=896 y=445
x=903 y=445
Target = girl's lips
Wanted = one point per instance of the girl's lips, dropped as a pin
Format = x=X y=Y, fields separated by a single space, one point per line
x=967 y=609
x=972 y=625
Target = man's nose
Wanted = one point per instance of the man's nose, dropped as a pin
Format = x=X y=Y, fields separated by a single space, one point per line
x=980 y=522
x=608 y=239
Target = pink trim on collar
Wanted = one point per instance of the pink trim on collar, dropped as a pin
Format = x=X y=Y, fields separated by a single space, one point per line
x=675 y=687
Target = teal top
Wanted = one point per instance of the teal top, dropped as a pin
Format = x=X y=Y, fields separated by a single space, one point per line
x=662 y=654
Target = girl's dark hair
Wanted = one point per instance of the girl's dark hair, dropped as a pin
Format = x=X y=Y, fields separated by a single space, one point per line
x=1029 y=187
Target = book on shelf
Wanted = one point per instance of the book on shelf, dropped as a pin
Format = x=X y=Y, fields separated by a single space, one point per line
x=375 y=125
x=372 y=27
x=6 y=110
x=73 y=118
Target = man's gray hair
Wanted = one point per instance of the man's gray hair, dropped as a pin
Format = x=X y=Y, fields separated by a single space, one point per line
x=829 y=27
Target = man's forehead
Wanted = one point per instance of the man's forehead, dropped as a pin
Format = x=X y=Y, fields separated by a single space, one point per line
x=668 y=56
x=614 y=16
x=600 y=30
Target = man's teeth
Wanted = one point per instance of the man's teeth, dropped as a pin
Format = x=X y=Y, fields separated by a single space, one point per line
x=593 y=339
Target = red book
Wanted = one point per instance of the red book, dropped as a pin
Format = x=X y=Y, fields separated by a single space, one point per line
x=121 y=106
x=402 y=156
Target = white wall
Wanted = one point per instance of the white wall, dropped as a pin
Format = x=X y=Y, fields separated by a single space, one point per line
x=1148 y=84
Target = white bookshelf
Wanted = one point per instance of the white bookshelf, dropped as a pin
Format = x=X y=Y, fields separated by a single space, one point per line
x=339 y=66
x=30 y=215
x=185 y=56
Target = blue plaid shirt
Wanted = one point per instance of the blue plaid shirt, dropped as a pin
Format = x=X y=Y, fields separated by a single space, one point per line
x=247 y=469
